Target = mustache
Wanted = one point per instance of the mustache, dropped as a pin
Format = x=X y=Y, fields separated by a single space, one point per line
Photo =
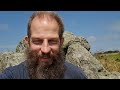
x=45 y=56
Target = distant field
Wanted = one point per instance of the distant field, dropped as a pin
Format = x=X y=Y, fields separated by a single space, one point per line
x=111 y=61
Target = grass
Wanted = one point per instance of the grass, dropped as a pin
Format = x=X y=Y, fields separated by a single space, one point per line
x=111 y=61
x=113 y=56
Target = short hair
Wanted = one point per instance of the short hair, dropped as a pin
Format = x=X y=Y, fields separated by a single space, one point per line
x=42 y=14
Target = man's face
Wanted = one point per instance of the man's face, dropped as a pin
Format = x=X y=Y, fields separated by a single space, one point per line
x=44 y=40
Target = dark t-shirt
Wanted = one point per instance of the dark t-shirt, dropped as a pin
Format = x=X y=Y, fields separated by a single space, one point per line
x=20 y=72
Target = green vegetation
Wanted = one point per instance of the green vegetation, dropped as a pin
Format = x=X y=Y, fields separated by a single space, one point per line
x=111 y=61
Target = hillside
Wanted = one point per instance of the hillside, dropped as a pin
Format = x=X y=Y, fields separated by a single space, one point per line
x=111 y=61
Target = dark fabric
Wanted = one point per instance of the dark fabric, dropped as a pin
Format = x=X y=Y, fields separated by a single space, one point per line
x=20 y=72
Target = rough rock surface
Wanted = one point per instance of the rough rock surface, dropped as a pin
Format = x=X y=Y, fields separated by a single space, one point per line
x=70 y=38
x=79 y=56
x=21 y=46
x=77 y=52
x=8 y=59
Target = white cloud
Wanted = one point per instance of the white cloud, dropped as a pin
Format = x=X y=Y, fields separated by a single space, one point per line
x=115 y=26
x=7 y=46
x=91 y=39
x=3 y=27
x=111 y=37
x=113 y=48
x=75 y=23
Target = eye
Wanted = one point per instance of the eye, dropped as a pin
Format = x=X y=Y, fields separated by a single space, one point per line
x=52 y=42
x=37 y=42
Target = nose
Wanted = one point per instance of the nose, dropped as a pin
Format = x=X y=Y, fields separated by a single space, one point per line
x=45 y=47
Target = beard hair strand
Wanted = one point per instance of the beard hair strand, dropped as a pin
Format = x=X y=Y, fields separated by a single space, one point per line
x=36 y=69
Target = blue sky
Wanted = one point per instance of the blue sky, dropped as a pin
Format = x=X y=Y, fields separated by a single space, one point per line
x=100 y=28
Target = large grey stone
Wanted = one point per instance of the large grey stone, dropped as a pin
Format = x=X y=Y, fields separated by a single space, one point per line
x=8 y=59
x=80 y=57
x=77 y=51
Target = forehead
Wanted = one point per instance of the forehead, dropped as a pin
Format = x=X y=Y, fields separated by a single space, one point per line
x=44 y=28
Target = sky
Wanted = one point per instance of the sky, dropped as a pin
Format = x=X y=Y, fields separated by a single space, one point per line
x=100 y=28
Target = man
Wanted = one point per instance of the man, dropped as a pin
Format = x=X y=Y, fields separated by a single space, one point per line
x=44 y=56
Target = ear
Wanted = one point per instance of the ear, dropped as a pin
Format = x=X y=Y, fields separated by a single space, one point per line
x=26 y=39
x=61 y=41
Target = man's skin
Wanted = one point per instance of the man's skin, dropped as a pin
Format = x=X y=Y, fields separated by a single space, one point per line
x=44 y=38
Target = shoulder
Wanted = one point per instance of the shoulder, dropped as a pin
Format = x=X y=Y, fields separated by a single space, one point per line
x=13 y=72
x=74 y=72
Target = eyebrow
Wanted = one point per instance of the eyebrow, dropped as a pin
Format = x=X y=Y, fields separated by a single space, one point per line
x=41 y=38
x=35 y=38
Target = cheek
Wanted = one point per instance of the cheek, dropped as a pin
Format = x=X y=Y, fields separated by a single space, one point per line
x=34 y=47
x=55 y=49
